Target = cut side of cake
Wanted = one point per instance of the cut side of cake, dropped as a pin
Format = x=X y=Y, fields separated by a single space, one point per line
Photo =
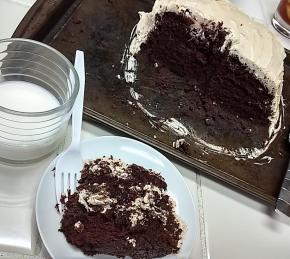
x=121 y=210
x=210 y=62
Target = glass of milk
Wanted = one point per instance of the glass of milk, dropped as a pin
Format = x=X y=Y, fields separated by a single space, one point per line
x=38 y=87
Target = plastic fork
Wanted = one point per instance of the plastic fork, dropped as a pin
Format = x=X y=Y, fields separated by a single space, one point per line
x=70 y=162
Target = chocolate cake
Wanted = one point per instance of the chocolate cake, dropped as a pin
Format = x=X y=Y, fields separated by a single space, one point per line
x=207 y=67
x=121 y=210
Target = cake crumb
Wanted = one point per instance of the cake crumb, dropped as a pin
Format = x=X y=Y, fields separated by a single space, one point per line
x=176 y=144
x=181 y=145
x=57 y=207
x=209 y=122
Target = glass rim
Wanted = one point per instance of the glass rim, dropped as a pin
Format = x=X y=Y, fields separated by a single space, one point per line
x=61 y=106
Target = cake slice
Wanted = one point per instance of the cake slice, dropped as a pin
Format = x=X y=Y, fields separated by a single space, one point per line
x=121 y=210
x=210 y=59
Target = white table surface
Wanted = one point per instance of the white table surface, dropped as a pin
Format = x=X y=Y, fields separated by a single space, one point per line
x=237 y=226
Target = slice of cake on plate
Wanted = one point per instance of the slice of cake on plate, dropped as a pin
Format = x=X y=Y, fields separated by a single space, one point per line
x=121 y=210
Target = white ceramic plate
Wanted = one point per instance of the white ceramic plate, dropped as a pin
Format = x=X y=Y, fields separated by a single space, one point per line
x=130 y=151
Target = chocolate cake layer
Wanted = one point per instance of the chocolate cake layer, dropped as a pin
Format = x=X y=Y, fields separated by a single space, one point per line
x=212 y=77
x=121 y=210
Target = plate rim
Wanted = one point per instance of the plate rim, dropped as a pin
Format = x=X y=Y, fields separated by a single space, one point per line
x=49 y=169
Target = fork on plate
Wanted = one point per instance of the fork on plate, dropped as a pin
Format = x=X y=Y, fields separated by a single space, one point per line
x=70 y=162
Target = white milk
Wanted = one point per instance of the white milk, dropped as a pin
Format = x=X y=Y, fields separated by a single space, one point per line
x=21 y=141
x=26 y=97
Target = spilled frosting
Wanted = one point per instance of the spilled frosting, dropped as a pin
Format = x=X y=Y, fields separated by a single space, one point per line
x=242 y=153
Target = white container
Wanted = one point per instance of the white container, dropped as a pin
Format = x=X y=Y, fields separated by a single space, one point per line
x=38 y=87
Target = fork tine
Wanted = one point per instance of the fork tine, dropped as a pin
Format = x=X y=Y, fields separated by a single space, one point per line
x=68 y=183
x=58 y=187
x=62 y=191
x=65 y=183
x=75 y=182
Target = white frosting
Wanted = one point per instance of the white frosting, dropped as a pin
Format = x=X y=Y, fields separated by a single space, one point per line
x=175 y=126
x=132 y=241
x=178 y=143
x=101 y=198
x=146 y=202
x=251 y=41
x=82 y=199
x=116 y=170
x=77 y=224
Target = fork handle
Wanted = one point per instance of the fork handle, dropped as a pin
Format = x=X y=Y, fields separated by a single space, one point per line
x=77 y=114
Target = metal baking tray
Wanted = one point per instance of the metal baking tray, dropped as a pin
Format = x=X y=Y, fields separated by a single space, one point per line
x=102 y=28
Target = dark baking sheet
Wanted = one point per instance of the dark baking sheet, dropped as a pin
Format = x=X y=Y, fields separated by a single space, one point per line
x=102 y=28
